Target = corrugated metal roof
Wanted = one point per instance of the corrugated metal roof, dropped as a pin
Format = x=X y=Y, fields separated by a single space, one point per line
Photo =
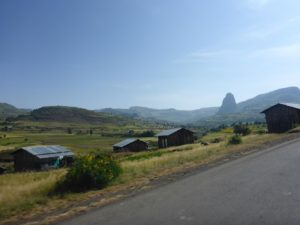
x=51 y=151
x=125 y=142
x=292 y=105
x=168 y=132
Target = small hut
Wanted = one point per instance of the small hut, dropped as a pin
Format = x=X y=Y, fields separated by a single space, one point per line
x=282 y=117
x=130 y=144
x=175 y=137
x=42 y=157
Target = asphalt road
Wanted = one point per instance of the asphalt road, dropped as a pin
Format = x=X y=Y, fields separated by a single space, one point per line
x=263 y=188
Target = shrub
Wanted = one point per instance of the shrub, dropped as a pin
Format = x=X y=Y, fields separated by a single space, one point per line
x=235 y=140
x=91 y=171
x=216 y=140
x=261 y=131
x=148 y=133
x=242 y=130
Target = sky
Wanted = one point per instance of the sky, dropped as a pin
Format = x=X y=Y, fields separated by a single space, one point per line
x=183 y=54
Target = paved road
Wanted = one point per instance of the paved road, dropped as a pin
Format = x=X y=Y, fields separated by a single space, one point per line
x=263 y=188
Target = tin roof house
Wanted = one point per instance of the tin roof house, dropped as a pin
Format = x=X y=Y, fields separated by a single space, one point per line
x=282 y=117
x=130 y=144
x=175 y=137
x=42 y=157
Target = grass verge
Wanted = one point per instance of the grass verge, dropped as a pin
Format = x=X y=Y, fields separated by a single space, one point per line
x=22 y=194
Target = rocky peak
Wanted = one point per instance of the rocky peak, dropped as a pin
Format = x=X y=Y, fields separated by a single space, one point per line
x=229 y=105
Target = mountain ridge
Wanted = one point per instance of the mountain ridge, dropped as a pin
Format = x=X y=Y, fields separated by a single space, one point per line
x=68 y=114
x=246 y=111
x=8 y=110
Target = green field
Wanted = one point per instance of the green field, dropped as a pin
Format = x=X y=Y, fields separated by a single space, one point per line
x=20 y=193
x=81 y=138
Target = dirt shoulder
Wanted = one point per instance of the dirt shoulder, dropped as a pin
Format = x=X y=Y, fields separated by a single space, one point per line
x=73 y=206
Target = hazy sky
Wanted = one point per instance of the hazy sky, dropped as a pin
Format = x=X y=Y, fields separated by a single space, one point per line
x=183 y=54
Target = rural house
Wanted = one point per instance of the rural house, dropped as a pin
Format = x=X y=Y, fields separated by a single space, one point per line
x=130 y=144
x=282 y=117
x=175 y=137
x=42 y=157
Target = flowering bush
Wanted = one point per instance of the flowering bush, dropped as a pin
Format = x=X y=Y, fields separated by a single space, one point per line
x=91 y=171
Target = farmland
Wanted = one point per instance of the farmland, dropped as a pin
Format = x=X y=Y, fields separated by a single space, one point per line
x=33 y=189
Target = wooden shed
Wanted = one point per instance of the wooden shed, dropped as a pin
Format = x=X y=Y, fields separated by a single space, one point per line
x=282 y=117
x=175 y=137
x=42 y=157
x=130 y=144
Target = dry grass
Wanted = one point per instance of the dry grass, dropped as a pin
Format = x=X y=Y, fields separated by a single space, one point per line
x=22 y=191
x=196 y=153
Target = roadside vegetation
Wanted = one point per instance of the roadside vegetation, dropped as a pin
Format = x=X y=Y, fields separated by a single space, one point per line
x=24 y=192
x=91 y=171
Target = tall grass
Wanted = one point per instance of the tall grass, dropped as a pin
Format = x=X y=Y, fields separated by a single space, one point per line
x=195 y=153
x=22 y=191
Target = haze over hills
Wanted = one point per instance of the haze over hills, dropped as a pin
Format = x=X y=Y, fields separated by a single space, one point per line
x=7 y=110
x=260 y=102
x=229 y=112
x=250 y=110
x=72 y=115
x=169 y=115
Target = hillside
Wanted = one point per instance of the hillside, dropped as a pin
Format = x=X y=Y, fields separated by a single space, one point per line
x=250 y=110
x=169 y=115
x=260 y=102
x=7 y=110
x=228 y=113
x=246 y=111
x=72 y=115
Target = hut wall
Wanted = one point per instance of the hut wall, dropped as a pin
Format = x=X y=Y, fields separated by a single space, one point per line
x=282 y=118
x=25 y=161
x=138 y=146
x=135 y=146
x=180 y=137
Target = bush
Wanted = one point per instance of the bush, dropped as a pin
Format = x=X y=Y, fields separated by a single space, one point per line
x=235 y=140
x=261 y=131
x=91 y=171
x=148 y=133
x=216 y=140
x=242 y=130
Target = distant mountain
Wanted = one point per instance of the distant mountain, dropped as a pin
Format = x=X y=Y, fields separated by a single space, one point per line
x=228 y=105
x=229 y=112
x=7 y=110
x=169 y=115
x=249 y=111
x=260 y=102
x=71 y=115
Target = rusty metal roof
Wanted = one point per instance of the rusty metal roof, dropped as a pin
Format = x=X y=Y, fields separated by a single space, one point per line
x=50 y=151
